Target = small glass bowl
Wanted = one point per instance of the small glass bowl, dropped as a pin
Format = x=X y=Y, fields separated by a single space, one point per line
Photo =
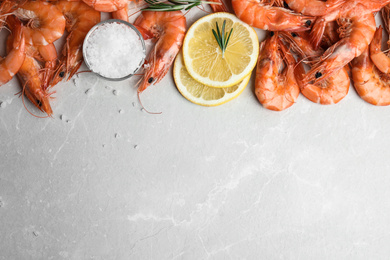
x=85 y=45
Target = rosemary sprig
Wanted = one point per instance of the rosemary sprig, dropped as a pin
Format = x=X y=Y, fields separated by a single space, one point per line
x=173 y=5
x=222 y=37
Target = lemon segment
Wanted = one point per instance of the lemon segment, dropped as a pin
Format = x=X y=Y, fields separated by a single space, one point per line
x=200 y=94
x=203 y=56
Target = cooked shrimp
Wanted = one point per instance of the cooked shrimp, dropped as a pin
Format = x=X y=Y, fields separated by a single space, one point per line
x=331 y=90
x=106 y=5
x=259 y=14
x=11 y=64
x=80 y=18
x=168 y=29
x=372 y=85
x=357 y=28
x=44 y=22
x=314 y=7
x=30 y=75
x=274 y=90
x=42 y=53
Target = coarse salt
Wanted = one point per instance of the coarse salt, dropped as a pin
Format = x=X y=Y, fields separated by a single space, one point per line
x=114 y=50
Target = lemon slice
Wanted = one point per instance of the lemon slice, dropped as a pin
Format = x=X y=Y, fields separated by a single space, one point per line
x=200 y=94
x=203 y=56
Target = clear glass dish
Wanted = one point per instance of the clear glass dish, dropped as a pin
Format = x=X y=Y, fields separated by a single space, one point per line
x=97 y=27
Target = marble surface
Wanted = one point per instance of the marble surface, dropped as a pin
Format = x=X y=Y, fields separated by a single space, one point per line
x=103 y=179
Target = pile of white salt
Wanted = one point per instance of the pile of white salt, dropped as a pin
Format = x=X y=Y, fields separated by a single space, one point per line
x=114 y=50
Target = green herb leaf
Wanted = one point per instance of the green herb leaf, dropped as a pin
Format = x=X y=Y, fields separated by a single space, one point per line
x=222 y=37
x=173 y=5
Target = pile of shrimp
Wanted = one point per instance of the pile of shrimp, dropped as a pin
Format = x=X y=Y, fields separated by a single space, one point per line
x=317 y=48
x=35 y=26
x=313 y=47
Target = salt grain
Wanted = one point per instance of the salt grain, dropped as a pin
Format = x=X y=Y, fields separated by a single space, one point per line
x=114 y=50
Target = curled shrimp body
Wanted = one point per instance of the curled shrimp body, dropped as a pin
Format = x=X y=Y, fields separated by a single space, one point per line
x=329 y=91
x=11 y=64
x=259 y=14
x=275 y=91
x=44 y=23
x=372 y=85
x=168 y=29
x=43 y=53
x=31 y=77
x=106 y=5
x=80 y=18
x=357 y=28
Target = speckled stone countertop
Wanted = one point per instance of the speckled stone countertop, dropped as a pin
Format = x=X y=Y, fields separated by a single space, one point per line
x=103 y=179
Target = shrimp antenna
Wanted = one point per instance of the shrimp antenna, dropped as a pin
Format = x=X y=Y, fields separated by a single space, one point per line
x=139 y=99
x=83 y=71
x=135 y=13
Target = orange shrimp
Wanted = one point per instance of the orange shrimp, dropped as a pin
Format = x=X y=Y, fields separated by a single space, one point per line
x=357 y=28
x=168 y=29
x=80 y=19
x=30 y=75
x=331 y=90
x=259 y=14
x=44 y=22
x=275 y=91
x=372 y=85
x=106 y=5
x=11 y=64
x=314 y=7
x=43 y=53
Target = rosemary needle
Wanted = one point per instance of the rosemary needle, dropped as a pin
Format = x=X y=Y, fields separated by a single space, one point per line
x=173 y=5
x=222 y=37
